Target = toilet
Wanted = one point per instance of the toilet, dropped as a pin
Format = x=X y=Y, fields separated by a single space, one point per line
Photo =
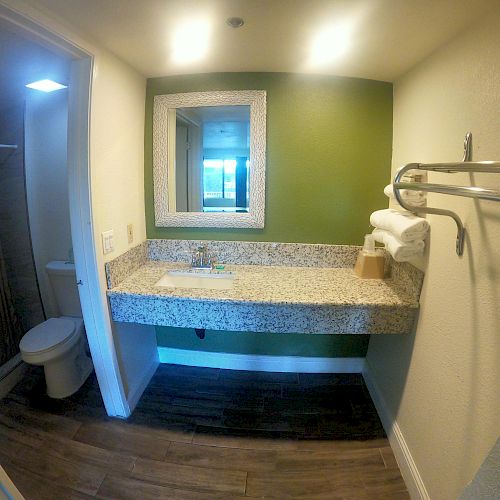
x=58 y=344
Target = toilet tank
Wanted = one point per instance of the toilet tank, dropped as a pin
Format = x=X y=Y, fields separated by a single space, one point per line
x=62 y=276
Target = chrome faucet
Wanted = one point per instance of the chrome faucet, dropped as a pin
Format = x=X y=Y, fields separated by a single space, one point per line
x=201 y=258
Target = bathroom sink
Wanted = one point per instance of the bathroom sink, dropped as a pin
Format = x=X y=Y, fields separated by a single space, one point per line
x=197 y=278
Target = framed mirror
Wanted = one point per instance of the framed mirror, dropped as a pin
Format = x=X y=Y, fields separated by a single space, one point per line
x=209 y=159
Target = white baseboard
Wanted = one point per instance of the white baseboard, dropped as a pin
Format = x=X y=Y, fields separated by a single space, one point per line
x=407 y=465
x=15 y=375
x=135 y=393
x=262 y=363
x=8 y=488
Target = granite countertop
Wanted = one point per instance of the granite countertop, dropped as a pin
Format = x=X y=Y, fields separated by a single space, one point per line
x=264 y=298
x=274 y=285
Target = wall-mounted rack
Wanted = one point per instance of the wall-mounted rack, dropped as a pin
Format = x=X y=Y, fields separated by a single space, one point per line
x=466 y=165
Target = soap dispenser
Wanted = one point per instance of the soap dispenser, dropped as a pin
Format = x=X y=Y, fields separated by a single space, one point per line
x=370 y=262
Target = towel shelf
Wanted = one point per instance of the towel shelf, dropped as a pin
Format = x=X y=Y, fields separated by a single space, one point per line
x=467 y=191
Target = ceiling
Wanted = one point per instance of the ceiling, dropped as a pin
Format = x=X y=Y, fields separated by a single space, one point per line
x=388 y=36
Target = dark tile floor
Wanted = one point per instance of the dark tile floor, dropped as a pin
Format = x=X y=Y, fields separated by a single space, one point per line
x=302 y=406
x=202 y=433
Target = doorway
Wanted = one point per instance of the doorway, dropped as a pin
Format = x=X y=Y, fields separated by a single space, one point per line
x=34 y=209
x=89 y=279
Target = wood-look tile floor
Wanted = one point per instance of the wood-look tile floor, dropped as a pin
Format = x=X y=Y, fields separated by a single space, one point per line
x=202 y=434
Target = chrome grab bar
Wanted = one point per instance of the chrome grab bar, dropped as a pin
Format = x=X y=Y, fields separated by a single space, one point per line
x=467 y=191
x=465 y=166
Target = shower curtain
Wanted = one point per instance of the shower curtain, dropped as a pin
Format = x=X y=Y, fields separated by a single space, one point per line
x=21 y=305
x=10 y=326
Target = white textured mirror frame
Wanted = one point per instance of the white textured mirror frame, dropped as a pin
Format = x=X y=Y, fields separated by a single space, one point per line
x=162 y=148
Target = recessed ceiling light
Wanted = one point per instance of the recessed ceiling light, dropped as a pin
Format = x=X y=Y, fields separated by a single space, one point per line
x=190 y=41
x=46 y=85
x=330 y=43
x=235 y=22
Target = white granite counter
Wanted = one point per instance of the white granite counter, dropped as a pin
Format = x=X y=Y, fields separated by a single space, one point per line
x=271 y=298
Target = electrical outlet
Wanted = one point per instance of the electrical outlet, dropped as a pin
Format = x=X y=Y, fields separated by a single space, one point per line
x=108 y=245
x=130 y=233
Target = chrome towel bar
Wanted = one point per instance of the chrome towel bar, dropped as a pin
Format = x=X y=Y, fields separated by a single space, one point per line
x=467 y=191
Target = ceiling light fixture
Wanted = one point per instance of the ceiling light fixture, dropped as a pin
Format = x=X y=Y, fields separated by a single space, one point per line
x=329 y=44
x=235 y=22
x=190 y=41
x=46 y=85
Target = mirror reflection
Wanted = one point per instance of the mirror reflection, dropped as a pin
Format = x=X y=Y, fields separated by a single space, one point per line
x=212 y=158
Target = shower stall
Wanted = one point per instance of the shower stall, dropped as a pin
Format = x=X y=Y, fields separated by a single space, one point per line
x=21 y=305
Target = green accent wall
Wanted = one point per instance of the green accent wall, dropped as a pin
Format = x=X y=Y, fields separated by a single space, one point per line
x=272 y=344
x=329 y=143
x=329 y=146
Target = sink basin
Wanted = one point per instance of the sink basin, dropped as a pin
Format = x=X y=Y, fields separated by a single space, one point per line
x=197 y=278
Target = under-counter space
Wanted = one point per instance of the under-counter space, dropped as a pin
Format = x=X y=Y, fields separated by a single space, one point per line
x=278 y=299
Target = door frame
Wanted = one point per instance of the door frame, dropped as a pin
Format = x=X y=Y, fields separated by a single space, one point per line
x=91 y=287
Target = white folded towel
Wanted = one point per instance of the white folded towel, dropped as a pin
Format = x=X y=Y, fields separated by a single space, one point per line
x=401 y=252
x=402 y=224
x=417 y=198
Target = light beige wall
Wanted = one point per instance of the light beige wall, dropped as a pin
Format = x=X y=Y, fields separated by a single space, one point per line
x=46 y=170
x=442 y=384
x=117 y=151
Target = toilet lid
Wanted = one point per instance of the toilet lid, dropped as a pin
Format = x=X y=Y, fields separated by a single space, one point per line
x=47 y=335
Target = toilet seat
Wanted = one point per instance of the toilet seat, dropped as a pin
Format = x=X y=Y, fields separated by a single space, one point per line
x=49 y=335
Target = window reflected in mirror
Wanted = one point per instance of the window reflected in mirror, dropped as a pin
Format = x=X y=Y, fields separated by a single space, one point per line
x=212 y=158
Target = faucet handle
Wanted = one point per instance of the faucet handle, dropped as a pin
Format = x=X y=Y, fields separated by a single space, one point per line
x=195 y=257
x=202 y=258
x=204 y=255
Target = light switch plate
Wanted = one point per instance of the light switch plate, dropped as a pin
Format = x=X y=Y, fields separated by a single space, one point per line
x=130 y=233
x=108 y=244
